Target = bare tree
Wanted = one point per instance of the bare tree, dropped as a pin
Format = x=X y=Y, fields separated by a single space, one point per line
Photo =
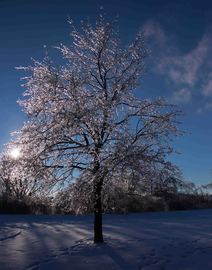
x=84 y=117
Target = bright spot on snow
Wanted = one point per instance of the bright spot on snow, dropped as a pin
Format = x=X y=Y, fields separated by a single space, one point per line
x=15 y=153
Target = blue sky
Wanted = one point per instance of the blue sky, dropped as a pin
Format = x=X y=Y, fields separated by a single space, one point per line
x=178 y=33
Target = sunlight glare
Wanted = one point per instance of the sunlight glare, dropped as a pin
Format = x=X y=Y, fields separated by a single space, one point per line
x=15 y=153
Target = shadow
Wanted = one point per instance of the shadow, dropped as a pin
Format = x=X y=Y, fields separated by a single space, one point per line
x=117 y=259
x=32 y=242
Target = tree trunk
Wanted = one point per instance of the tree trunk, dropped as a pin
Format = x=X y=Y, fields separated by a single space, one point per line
x=98 y=235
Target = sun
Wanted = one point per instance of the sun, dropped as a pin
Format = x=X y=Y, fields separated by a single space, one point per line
x=15 y=153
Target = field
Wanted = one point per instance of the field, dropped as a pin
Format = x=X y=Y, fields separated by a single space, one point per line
x=148 y=241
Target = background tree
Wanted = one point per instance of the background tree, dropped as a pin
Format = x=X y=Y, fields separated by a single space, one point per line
x=21 y=177
x=84 y=117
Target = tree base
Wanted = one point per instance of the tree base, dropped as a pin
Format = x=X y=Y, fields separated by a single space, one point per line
x=98 y=240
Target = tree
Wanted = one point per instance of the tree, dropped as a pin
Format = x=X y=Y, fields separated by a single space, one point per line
x=21 y=177
x=84 y=118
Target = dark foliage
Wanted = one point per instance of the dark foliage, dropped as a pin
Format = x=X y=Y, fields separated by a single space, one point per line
x=9 y=205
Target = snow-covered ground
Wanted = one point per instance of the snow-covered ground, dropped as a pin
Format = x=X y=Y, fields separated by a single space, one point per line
x=156 y=241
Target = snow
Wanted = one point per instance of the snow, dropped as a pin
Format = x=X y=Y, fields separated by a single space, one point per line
x=148 y=241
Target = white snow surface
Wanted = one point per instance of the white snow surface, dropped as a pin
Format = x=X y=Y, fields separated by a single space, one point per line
x=149 y=241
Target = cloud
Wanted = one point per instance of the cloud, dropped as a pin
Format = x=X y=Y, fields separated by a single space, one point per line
x=207 y=87
x=188 y=72
x=154 y=30
x=181 y=96
x=206 y=107
x=185 y=68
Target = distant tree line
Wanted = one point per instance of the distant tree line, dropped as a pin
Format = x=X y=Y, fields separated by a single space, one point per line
x=161 y=188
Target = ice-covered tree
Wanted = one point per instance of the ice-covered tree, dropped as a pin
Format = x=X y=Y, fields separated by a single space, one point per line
x=22 y=177
x=84 y=117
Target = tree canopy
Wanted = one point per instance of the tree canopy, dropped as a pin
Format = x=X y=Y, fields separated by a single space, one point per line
x=85 y=119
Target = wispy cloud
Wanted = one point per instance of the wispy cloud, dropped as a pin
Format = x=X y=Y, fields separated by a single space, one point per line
x=181 y=96
x=154 y=30
x=207 y=87
x=207 y=107
x=190 y=72
x=185 y=69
